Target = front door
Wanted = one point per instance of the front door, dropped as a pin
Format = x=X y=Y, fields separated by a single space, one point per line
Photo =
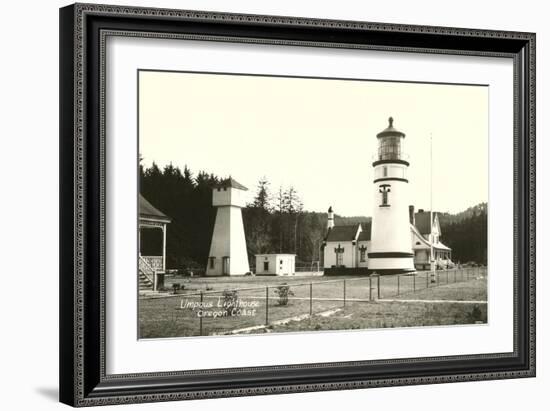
x=225 y=265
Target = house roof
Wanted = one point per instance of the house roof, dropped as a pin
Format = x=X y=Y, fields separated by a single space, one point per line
x=440 y=246
x=365 y=234
x=424 y=242
x=277 y=254
x=231 y=182
x=390 y=130
x=422 y=222
x=343 y=232
x=147 y=210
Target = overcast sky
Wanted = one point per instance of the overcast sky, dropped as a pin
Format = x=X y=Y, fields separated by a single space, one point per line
x=318 y=135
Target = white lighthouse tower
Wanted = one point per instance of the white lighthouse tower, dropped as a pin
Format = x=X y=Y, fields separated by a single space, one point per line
x=390 y=250
x=330 y=219
x=228 y=254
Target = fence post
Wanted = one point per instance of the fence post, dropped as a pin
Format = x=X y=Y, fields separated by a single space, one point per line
x=455 y=276
x=398 y=277
x=310 y=299
x=200 y=318
x=414 y=283
x=266 y=305
x=428 y=279
x=378 y=286
x=370 y=288
x=437 y=274
x=344 y=293
x=447 y=278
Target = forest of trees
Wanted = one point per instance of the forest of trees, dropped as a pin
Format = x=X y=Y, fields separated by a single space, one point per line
x=466 y=234
x=187 y=200
x=274 y=222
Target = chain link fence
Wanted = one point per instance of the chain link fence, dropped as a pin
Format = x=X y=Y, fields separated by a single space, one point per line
x=248 y=309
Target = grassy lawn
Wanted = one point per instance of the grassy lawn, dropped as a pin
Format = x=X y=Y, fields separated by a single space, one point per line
x=179 y=316
x=382 y=314
x=223 y=283
x=357 y=287
x=165 y=317
x=473 y=290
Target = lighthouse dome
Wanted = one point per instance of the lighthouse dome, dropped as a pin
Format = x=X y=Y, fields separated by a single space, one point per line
x=390 y=130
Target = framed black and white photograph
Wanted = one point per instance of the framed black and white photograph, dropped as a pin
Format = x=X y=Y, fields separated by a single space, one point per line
x=305 y=248
x=259 y=204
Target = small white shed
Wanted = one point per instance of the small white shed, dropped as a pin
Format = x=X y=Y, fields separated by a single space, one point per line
x=275 y=264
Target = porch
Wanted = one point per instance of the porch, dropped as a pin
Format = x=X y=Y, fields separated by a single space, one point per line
x=152 y=253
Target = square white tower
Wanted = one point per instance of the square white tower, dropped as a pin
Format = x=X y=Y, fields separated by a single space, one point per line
x=228 y=255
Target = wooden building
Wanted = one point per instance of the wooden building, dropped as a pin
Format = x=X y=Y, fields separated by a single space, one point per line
x=151 y=218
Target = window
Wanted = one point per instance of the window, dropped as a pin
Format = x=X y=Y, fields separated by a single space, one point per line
x=389 y=148
x=212 y=262
x=385 y=171
x=363 y=254
x=266 y=265
x=339 y=256
x=384 y=190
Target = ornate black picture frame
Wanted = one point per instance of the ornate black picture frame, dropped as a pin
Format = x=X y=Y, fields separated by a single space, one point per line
x=83 y=30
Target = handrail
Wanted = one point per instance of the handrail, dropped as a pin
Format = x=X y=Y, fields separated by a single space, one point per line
x=143 y=263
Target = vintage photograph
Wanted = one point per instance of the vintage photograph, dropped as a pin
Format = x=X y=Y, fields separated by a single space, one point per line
x=272 y=204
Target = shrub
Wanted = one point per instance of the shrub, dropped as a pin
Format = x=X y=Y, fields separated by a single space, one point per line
x=230 y=299
x=283 y=291
x=475 y=315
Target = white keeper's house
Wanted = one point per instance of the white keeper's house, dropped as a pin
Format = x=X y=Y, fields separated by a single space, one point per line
x=397 y=240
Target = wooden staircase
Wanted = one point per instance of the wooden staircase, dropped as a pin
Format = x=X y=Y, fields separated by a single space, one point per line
x=144 y=282
x=146 y=275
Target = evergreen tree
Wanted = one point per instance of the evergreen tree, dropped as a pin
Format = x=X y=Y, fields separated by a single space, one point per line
x=262 y=198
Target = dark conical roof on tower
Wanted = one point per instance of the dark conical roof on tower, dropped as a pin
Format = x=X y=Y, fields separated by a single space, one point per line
x=231 y=182
x=390 y=130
